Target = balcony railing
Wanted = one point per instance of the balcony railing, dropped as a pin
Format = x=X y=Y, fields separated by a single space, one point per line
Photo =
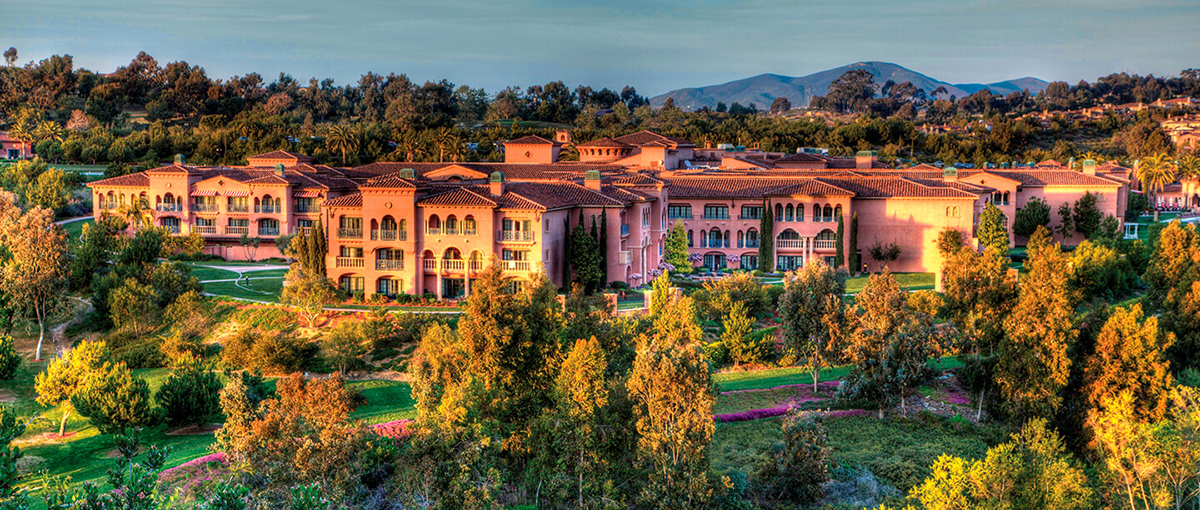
x=476 y=265
x=205 y=229
x=622 y=257
x=749 y=216
x=268 y=209
x=516 y=235
x=388 y=235
x=716 y=216
x=349 y=233
x=268 y=231
x=304 y=209
x=752 y=243
x=470 y=232
x=389 y=264
x=174 y=229
x=206 y=207
x=349 y=262
x=516 y=265
x=625 y=229
x=453 y=265
x=790 y=243
x=679 y=216
x=826 y=244
x=238 y=208
x=452 y=231
x=430 y=264
x=169 y=208
x=237 y=231
x=433 y=231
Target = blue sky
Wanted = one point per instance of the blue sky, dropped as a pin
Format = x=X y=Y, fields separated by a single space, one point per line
x=654 y=45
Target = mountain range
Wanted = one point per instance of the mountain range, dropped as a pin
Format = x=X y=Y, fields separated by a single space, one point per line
x=764 y=88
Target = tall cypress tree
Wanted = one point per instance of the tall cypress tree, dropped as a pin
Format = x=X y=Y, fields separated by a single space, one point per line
x=301 y=250
x=566 y=254
x=853 y=261
x=318 y=247
x=604 y=247
x=841 y=250
x=766 y=238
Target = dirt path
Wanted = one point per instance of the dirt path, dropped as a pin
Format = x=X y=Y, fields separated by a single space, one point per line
x=58 y=334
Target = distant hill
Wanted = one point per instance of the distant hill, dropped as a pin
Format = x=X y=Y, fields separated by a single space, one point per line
x=764 y=88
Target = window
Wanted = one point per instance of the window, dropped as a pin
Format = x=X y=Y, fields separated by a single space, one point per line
x=352 y=284
x=752 y=239
x=716 y=212
x=800 y=212
x=778 y=212
x=690 y=243
x=752 y=212
x=304 y=223
x=828 y=216
x=351 y=223
x=238 y=204
x=741 y=238
x=816 y=212
x=389 y=287
x=354 y=252
x=243 y=222
x=789 y=213
x=679 y=212
x=789 y=262
x=306 y=205
x=206 y=222
x=837 y=212
x=749 y=262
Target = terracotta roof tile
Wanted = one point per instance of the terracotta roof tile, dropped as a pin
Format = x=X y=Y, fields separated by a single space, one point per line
x=1037 y=178
x=351 y=200
x=750 y=187
x=460 y=196
x=139 y=180
x=389 y=181
x=555 y=195
x=895 y=187
x=530 y=140
x=636 y=180
x=603 y=142
x=647 y=137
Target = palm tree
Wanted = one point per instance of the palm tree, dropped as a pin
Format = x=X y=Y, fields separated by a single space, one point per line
x=23 y=133
x=410 y=146
x=137 y=212
x=342 y=138
x=443 y=138
x=1155 y=172
x=1188 y=167
x=50 y=130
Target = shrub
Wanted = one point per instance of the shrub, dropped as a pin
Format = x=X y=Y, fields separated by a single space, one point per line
x=798 y=466
x=190 y=396
x=718 y=297
x=717 y=353
x=10 y=360
x=115 y=400
x=267 y=351
x=277 y=319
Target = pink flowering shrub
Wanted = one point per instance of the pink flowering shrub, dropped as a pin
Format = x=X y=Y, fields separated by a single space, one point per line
x=753 y=414
x=398 y=429
x=192 y=478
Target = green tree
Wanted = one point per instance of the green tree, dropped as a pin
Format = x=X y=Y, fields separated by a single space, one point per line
x=839 y=241
x=676 y=249
x=10 y=428
x=673 y=396
x=344 y=344
x=979 y=294
x=307 y=293
x=190 y=396
x=798 y=467
x=661 y=295
x=1035 y=213
x=10 y=359
x=51 y=190
x=766 y=238
x=35 y=274
x=68 y=374
x=1066 y=222
x=1154 y=173
x=1087 y=216
x=992 y=231
x=852 y=247
x=1033 y=356
x=115 y=400
x=889 y=344
x=1100 y=271
x=743 y=347
x=585 y=257
x=602 y=247
x=1171 y=274
x=343 y=139
x=813 y=314
x=132 y=305
x=1130 y=356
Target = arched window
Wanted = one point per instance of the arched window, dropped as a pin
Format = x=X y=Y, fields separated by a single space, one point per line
x=690 y=243
x=956 y=211
x=778 y=212
x=1005 y=198
x=714 y=238
x=741 y=239
x=403 y=227
x=800 y=212
x=452 y=254
x=816 y=212
x=828 y=213
x=752 y=238
x=727 y=239
x=469 y=226
x=434 y=225
x=837 y=212
x=789 y=213
x=388 y=223
x=948 y=211
x=451 y=225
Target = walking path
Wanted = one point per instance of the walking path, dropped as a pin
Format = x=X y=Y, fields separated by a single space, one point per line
x=58 y=333
x=244 y=269
x=72 y=220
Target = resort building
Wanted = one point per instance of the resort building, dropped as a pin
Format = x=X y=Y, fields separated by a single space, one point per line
x=430 y=227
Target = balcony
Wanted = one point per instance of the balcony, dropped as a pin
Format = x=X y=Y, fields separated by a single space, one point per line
x=268 y=209
x=206 y=208
x=389 y=235
x=452 y=231
x=174 y=229
x=205 y=229
x=169 y=208
x=349 y=233
x=679 y=217
x=237 y=231
x=389 y=265
x=350 y=262
x=826 y=244
x=516 y=235
x=470 y=232
x=454 y=265
x=790 y=243
x=716 y=216
x=304 y=209
x=268 y=231
x=625 y=229
x=433 y=231
x=237 y=208
x=622 y=257
x=516 y=265
x=748 y=217
x=476 y=266
x=752 y=243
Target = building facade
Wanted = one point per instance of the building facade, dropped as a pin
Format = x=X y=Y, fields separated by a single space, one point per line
x=417 y=228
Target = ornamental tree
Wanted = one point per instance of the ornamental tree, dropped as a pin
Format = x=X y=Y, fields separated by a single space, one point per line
x=67 y=375
x=992 y=230
x=1036 y=212
x=676 y=249
x=191 y=396
x=115 y=400
x=35 y=275
x=1130 y=356
x=812 y=310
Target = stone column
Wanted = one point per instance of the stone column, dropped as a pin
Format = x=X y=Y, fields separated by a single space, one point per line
x=467 y=278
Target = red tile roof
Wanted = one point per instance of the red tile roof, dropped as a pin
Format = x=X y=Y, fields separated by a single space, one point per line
x=281 y=155
x=458 y=197
x=637 y=180
x=530 y=140
x=750 y=187
x=648 y=137
x=604 y=142
x=556 y=195
x=1037 y=178
x=895 y=187
x=351 y=200
x=389 y=181
x=134 y=180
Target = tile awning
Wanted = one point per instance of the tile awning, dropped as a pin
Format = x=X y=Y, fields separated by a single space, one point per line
x=204 y=193
x=307 y=194
x=237 y=193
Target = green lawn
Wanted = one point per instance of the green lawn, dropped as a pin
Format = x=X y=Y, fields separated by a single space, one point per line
x=911 y=281
x=74 y=229
x=266 y=289
x=386 y=401
x=206 y=273
x=770 y=378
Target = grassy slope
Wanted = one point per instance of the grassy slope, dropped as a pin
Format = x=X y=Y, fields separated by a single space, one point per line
x=770 y=378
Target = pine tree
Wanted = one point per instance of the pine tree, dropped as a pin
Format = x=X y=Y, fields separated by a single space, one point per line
x=1130 y=356
x=992 y=231
x=676 y=249
x=319 y=247
x=585 y=256
x=766 y=239
x=852 y=246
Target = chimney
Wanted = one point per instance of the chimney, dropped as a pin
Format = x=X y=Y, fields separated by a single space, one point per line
x=865 y=159
x=408 y=173
x=279 y=169
x=496 y=184
x=591 y=180
x=1089 y=166
x=180 y=160
x=562 y=136
x=708 y=144
x=950 y=173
